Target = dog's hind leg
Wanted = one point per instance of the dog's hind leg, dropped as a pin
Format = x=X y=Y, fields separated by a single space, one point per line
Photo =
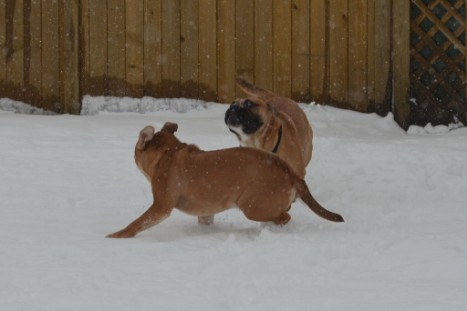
x=264 y=212
x=282 y=219
x=151 y=217
x=206 y=220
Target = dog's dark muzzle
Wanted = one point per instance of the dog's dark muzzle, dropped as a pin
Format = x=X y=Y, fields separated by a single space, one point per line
x=233 y=115
x=231 y=118
x=237 y=116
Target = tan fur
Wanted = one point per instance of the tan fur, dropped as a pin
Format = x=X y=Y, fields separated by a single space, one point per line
x=275 y=111
x=204 y=183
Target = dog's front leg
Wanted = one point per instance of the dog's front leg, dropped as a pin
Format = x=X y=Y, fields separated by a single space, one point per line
x=154 y=215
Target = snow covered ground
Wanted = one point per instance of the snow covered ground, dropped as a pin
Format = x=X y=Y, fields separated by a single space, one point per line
x=67 y=181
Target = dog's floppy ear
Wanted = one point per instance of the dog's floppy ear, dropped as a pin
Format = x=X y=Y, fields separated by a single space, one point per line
x=253 y=90
x=145 y=135
x=271 y=108
x=170 y=127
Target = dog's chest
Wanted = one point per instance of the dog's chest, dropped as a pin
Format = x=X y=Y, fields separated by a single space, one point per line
x=140 y=167
x=250 y=141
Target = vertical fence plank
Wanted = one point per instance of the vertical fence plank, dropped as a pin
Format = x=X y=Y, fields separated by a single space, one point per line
x=84 y=47
x=171 y=48
x=358 y=55
x=189 y=27
x=263 y=44
x=401 y=61
x=152 y=47
x=33 y=46
x=97 y=47
x=318 y=21
x=226 y=50
x=382 y=55
x=282 y=19
x=50 y=56
x=2 y=49
x=69 y=47
x=338 y=51
x=134 y=46
x=244 y=41
x=301 y=50
x=14 y=48
x=371 y=65
x=116 y=50
x=207 y=50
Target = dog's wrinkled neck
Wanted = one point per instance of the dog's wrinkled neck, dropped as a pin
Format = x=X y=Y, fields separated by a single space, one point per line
x=279 y=139
x=236 y=134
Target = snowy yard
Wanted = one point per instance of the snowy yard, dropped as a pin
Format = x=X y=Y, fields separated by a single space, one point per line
x=67 y=181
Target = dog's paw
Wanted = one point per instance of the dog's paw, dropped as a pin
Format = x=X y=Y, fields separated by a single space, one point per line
x=119 y=235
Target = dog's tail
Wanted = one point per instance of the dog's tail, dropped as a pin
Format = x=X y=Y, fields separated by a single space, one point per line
x=254 y=90
x=305 y=195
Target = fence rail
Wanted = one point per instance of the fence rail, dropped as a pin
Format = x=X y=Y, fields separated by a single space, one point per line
x=351 y=54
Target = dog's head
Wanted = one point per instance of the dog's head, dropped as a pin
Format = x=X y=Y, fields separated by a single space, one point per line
x=151 y=146
x=147 y=135
x=246 y=117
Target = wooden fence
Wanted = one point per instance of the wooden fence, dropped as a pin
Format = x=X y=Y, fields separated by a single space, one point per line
x=348 y=53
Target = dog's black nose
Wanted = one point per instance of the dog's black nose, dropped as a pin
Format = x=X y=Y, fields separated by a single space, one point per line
x=232 y=119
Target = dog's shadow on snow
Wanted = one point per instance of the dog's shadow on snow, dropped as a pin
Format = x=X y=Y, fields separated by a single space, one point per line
x=192 y=231
x=228 y=229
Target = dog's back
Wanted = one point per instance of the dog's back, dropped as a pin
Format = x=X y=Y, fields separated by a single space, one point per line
x=234 y=168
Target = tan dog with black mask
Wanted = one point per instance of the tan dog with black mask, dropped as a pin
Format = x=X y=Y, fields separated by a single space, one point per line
x=204 y=183
x=272 y=123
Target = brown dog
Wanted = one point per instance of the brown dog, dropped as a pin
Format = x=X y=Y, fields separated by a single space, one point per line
x=272 y=123
x=204 y=183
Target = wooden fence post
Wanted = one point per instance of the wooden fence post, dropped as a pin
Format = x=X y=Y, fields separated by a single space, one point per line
x=338 y=53
x=263 y=64
x=171 y=48
x=282 y=47
x=2 y=48
x=401 y=61
x=134 y=47
x=14 y=50
x=318 y=49
x=152 y=47
x=69 y=43
x=190 y=47
x=226 y=50
x=207 y=57
x=380 y=77
x=300 y=71
x=244 y=41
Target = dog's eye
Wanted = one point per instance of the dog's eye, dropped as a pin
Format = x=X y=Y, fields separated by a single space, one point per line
x=248 y=104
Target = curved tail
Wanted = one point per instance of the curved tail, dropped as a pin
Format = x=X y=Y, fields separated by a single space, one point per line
x=305 y=195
